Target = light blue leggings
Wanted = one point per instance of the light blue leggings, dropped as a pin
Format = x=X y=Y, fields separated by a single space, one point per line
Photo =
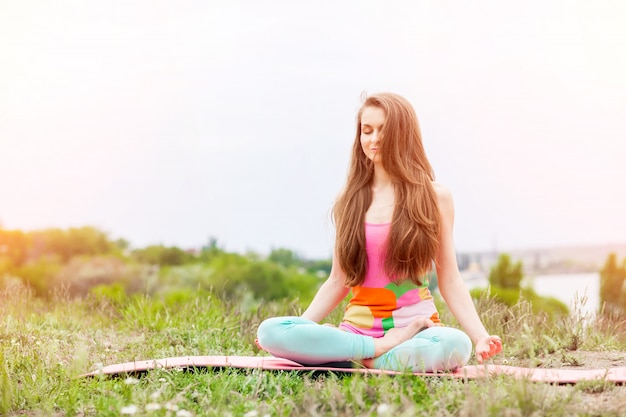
x=304 y=341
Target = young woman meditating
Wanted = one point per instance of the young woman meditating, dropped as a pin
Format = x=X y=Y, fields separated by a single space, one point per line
x=393 y=223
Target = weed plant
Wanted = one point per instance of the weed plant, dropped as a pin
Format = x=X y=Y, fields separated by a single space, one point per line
x=45 y=345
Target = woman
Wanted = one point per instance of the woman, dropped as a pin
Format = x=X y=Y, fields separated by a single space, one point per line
x=393 y=222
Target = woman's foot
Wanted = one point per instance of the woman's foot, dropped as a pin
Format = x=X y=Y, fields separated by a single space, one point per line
x=393 y=337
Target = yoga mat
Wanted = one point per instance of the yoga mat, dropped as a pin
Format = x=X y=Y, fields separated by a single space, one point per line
x=551 y=375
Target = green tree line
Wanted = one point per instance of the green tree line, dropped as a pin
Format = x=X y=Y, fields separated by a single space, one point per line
x=83 y=260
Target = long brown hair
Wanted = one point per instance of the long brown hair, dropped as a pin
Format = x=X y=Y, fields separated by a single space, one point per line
x=414 y=235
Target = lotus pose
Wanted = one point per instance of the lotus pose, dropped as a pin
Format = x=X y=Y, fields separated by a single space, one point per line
x=393 y=223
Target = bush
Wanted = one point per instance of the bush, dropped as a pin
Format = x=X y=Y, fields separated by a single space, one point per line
x=510 y=297
x=112 y=294
x=235 y=276
x=72 y=242
x=612 y=290
x=81 y=274
x=506 y=274
x=40 y=275
x=163 y=255
x=14 y=246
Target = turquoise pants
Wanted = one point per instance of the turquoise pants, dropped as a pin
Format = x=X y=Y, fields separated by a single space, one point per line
x=434 y=349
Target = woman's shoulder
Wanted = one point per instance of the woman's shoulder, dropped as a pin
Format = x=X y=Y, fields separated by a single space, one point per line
x=441 y=191
x=444 y=196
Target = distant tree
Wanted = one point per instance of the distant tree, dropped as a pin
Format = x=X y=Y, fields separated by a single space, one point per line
x=612 y=291
x=506 y=274
x=210 y=250
x=14 y=247
x=284 y=257
x=40 y=275
x=234 y=276
x=71 y=242
x=163 y=255
x=122 y=244
x=37 y=258
x=505 y=279
x=263 y=279
x=319 y=267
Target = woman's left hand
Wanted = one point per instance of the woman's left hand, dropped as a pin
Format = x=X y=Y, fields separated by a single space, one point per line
x=488 y=347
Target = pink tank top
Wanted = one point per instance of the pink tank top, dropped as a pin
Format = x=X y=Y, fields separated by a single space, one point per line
x=378 y=304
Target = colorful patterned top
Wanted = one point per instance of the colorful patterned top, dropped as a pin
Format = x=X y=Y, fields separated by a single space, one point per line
x=378 y=304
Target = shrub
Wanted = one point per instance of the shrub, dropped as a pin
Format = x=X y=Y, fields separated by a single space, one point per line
x=40 y=275
x=509 y=297
x=69 y=243
x=612 y=290
x=81 y=274
x=506 y=274
x=112 y=294
x=163 y=255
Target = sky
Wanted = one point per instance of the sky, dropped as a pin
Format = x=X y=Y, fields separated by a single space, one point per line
x=173 y=122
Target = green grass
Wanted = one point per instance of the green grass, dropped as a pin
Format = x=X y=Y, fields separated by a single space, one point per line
x=46 y=345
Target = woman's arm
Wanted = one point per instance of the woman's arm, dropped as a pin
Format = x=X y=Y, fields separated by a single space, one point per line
x=452 y=287
x=330 y=294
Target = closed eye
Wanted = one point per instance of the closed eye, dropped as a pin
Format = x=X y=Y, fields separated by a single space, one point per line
x=368 y=129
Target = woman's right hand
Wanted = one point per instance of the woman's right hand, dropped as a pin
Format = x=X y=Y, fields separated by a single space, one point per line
x=488 y=347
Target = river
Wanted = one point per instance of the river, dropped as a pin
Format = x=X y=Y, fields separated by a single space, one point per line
x=568 y=288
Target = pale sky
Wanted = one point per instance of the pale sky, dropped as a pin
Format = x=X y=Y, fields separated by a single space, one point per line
x=168 y=122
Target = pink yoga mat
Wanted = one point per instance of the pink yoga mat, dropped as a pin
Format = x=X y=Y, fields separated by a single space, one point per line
x=560 y=376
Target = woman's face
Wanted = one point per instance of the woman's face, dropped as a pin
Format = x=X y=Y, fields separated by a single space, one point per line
x=372 y=119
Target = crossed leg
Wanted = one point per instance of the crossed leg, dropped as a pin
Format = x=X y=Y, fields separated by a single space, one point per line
x=434 y=349
x=408 y=349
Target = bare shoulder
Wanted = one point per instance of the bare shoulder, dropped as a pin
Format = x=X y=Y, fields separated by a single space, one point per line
x=444 y=202
x=444 y=197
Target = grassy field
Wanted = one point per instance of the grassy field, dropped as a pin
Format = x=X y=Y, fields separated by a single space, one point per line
x=46 y=344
